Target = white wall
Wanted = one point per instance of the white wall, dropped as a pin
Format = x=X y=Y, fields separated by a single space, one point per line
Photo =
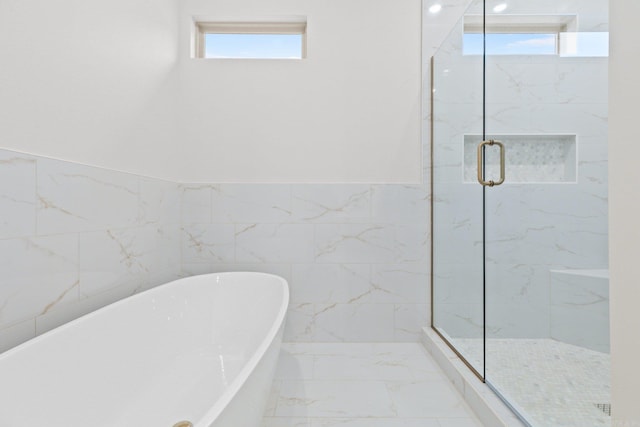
x=624 y=178
x=96 y=83
x=91 y=82
x=349 y=112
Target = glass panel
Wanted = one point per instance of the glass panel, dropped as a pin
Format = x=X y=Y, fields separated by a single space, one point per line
x=546 y=262
x=584 y=44
x=457 y=204
x=511 y=44
x=262 y=46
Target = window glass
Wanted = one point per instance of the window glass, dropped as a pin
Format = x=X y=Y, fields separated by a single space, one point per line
x=262 y=46
x=511 y=44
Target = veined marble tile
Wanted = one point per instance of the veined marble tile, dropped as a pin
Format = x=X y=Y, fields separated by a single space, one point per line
x=163 y=246
x=516 y=320
x=459 y=422
x=351 y=243
x=208 y=243
x=579 y=312
x=586 y=329
x=583 y=80
x=523 y=283
x=195 y=268
x=458 y=283
x=371 y=243
x=546 y=244
x=38 y=273
x=354 y=322
x=66 y=313
x=348 y=349
x=459 y=320
x=409 y=321
x=272 y=401
x=329 y=283
x=593 y=157
x=433 y=398
x=457 y=216
x=400 y=203
x=588 y=119
x=334 y=398
x=18 y=199
x=286 y=422
x=160 y=201
x=350 y=367
x=400 y=283
x=115 y=258
x=300 y=322
x=332 y=203
x=196 y=205
x=251 y=203
x=413 y=243
x=375 y=422
x=274 y=243
x=294 y=366
x=74 y=197
x=387 y=366
x=283 y=270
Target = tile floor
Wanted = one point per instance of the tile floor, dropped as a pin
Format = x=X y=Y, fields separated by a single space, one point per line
x=553 y=384
x=363 y=385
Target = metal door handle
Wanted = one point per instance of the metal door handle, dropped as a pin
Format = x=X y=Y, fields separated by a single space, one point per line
x=481 y=180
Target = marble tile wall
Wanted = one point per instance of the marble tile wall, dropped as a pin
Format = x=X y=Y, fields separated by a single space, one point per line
x=356 y=256
x=532 y=227
x=580 y=308
x=74 y=238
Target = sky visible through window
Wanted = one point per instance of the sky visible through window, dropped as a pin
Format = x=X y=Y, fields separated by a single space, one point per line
x=511 y=44
x=577 y=44
x=262 y=46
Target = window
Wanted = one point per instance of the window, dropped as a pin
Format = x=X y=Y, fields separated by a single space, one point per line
x=511 y=44
x=531 y=35
x=251 y=40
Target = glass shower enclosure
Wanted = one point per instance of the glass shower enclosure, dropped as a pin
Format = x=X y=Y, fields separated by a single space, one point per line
x=519 y=180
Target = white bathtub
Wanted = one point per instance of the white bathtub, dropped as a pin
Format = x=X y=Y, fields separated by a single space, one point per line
x=201 y=349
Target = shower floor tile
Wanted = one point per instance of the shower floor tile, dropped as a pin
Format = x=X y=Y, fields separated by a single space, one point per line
x=553 y=384
x=363 y=385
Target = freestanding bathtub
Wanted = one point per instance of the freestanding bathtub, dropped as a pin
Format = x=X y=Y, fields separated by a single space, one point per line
x=200 y=350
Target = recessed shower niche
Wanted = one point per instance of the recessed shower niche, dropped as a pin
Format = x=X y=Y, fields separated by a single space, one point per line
x=529 y=158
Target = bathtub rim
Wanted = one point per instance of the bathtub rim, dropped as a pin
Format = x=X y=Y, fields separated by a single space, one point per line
x=221 y=403
x=214 y=412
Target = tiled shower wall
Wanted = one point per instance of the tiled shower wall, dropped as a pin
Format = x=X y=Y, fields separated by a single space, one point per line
x=533 y=227
x=74 y=238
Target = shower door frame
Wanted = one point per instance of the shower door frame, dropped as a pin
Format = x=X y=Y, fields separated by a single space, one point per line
x=481 y=375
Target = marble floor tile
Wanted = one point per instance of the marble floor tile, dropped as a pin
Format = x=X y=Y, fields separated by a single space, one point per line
x=459 y=422
x=320 y=398
x=436 y=398
x=374 y=422
x=363 y=385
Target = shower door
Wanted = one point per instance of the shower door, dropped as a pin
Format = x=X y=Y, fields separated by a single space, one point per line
x=519 y=180
x=457 y=219
x=546 y=287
